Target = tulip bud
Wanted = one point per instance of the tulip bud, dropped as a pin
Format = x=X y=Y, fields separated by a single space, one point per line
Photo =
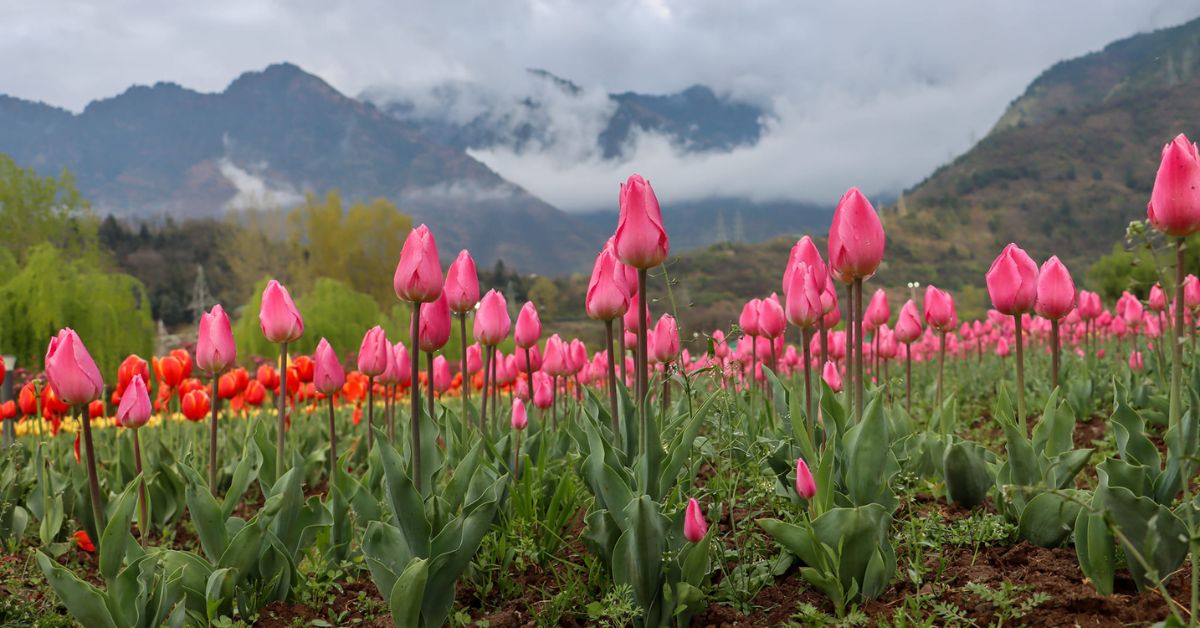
x=694 y=526
x=435 y=324
x=856 y=238
x=529 y=326
x=666 y=340
x=134 y=410
x=771 y=320
x=328 y=374
x=939 y=309
x=641 y=240
x=278 y=317
x=832 y=377
x=804 y=252
x=418 y=277
x=1055 y=290
x=215 y=348
x=1135 y=361
x=806 y=486
x=492 y=322
x=1174 y=206
x=462 y=284
x=373 y=352
x=748 y=320
x=606 y=298
x=195 y=405
x=520 y=419
x=1012 y=281
x=908 y=325
x=72 y=372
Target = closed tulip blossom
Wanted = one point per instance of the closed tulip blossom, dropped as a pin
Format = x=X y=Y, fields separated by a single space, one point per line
x=607 y=300
x=134 y=412
x=694 y=526
x=374 y=354
x=280 y=323
x=641 y=240
x=806 y=485
x=1002 y=349
x=520 y=420
x=462 y=294
x=215 y=352
x=940 y=315
x=417 y=280
x=1055 y=300
x=832 y=377
x=492 y=324
x=195 y=405
x=75 y=381
x=434 y=333
x=529 y=326
x=543 y=391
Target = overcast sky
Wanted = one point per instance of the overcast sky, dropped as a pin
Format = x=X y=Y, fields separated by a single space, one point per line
x=868 y=93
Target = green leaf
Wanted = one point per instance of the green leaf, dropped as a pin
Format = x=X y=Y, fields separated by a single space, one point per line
x=408 y=508
x=116 y=537
x=244 y=474
x=1049 y=518
x=405 y=598
x=84 y=601
x=1096 y=550
x=967 y=474
x=206 y=515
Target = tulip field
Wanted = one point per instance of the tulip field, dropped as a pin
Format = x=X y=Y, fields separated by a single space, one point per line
x=842 y=454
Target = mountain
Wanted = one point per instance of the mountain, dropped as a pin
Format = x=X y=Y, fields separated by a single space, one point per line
x=270 y=136
x=545 y=111
x=1068 y=166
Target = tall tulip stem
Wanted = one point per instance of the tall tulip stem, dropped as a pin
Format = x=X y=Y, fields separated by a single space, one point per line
x=281 y=423
x=89 y=452
x=1020 y=373
x=941 y=368
x=370 y=412
x=333 y=458
x=621 y=350
x=143 y=512
x=859 y=383
x=642 y=363
x=466 y=376
x=415 y=388
x=483 y=403
x=212 y=438
x=908 y=377
x=808 y=401
x=1055 y=357
x=850 y=343
x=429 y=385
x=612 y=382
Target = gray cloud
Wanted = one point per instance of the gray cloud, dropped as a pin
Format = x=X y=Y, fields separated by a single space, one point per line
x=874 y=93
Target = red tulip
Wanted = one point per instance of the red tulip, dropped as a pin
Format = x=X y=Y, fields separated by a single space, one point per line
x=96 y=409
x=641 y=238
x=666 y=340
x=1174 y=206
x=694 y=526
x=328 y=374
x=195 y=405
x=8 y=410
x=806 y=485
x=72 y=372
x=1055 y=290
x=1012 y=281
x=28 y=399
x=606 y=298
x=130 y=366
x=462 y=284
x=278 y=317
x=256 y=392
x=171 y=371
x=435 y=325
x=418 y=276
x=856 y=239
x=529 y=326
x=84 y=541
x=215 y=348
x=492 y=322
x=185 y=361
x=268 y=377
x=135 y=409
x=908 y=326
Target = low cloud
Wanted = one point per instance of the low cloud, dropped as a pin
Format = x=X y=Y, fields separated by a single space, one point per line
x=253 y=191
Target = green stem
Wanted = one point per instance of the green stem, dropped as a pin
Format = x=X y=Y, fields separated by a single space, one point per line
x=1020 y=374
x=415 y=392
x=281 y=424
x=143 y=512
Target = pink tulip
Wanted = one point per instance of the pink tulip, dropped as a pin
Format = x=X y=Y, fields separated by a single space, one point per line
x=435 y=324
x=1012 y=281
x=606 y=297
x=579 y=355
x=520 y=418
x=555 y=360
x=666 y=340
x=641 y=239
x=529 y=326
x=804 y=307
x=832 y=377
x=856 y=239
x=492 y=322
x=939 y=310
x=278 y=317
x=441 y=374
x=771 y=320
x=748 y=321
x=73 y=375
x=908 y=326
x=135 y=409
x=418 y=276
x=1135 y=361
x=543 y=391
x=215 y=348
x=1055 y=290
x=373 y=352
x=1174 y=206
x=1002 y=348
x=806 y=485
x=694 y=526
x=328 y=374
x=1191 y=292
x=403 y=365
x=878 y=311
x=803 y=252
x=1157 y=300
x=474 y=359
x=393 y=367
x=462 y=284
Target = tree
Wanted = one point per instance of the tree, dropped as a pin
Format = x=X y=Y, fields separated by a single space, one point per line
x=544 y=294
x=35 y=209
